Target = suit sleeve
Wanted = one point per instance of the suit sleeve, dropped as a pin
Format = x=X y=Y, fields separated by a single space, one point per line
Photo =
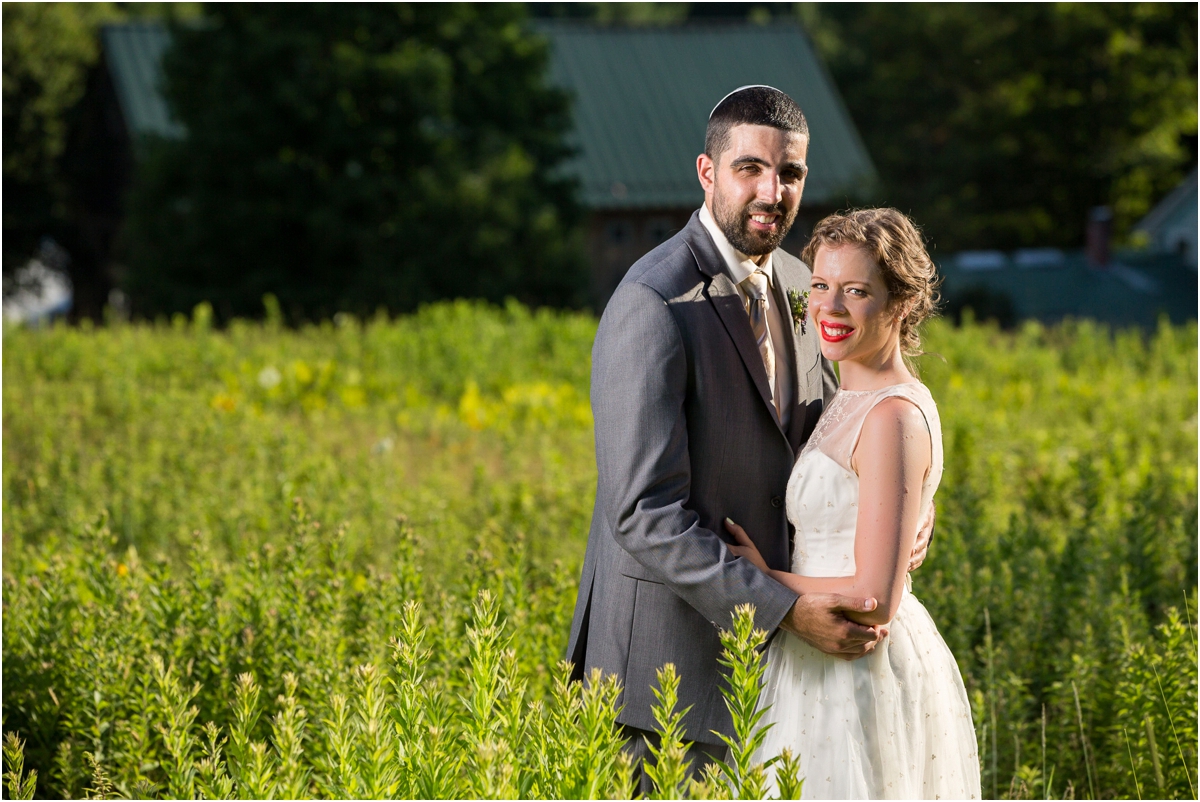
x=639 y=385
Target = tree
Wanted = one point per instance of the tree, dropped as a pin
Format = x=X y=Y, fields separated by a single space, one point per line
x=49 y=49
x=63 y=177
x=999 y=125
x=350 y=156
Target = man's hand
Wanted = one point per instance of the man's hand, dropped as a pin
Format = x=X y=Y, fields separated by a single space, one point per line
x=817 y=619
x=921 y=547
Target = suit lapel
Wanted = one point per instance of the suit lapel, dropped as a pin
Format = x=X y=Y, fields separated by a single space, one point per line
x=784 y=281
x=790 y=274
x=726 y=299
x=728 y=302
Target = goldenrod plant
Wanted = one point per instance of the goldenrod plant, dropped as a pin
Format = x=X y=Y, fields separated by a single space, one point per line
x=175 y=623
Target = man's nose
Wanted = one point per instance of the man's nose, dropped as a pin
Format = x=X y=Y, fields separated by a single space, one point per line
x=770 y=188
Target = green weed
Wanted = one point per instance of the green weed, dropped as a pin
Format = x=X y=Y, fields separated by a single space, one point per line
x=175 y=624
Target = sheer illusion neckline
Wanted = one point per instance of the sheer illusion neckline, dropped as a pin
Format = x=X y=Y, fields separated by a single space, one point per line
x=837 y=430
x=876 y=390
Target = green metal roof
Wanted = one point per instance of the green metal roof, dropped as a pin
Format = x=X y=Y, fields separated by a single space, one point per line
x=643 y=96
x=133 y=52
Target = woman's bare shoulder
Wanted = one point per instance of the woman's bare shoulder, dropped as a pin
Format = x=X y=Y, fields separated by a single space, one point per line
x=895 y=427
x=896 y=412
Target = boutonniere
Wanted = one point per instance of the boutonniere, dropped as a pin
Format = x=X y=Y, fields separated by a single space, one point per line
x=798 y=301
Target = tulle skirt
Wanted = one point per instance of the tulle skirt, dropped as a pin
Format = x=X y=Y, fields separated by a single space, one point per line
x=895 y=724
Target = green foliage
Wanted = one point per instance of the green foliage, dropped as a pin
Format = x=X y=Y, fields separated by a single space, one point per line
x=19 y=784
x=176 y=716
x=1063 y=564
x=789 y=780
x=346 y=158
x=49 y=49
x=742 y=659
x=1001 y=125
x=1066 y=529
x=1155 y=703
x=445 y=726
x=670 y=767
x=421 y=415
x=63 y=171
x=632 y=14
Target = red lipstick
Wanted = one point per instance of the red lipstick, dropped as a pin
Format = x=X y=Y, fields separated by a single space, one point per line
x=835 y=332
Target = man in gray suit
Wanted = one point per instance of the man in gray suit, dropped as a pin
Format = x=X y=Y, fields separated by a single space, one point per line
x=704 y=388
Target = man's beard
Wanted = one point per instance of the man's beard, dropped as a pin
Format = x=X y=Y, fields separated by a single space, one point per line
x=735 y=225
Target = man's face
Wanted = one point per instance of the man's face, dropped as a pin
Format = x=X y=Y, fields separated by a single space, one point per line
x=753 y=189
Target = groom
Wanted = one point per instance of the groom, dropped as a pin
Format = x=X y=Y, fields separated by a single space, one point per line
x=705 y=385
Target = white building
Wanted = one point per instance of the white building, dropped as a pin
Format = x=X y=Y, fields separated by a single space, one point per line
x=1171 y=225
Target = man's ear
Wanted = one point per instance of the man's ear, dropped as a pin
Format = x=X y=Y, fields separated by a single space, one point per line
x=706 y=171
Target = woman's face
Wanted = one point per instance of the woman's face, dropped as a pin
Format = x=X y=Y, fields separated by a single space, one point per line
x=849 y=303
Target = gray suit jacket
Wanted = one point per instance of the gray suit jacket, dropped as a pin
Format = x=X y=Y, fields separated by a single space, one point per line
x=685 y=435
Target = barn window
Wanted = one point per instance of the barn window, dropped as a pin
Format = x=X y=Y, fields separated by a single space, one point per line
x=618 y=232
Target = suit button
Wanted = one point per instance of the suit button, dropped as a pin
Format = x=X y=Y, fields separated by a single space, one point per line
x=776 y=502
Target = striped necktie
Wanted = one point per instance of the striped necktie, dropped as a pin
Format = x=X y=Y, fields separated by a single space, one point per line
x=755 y=288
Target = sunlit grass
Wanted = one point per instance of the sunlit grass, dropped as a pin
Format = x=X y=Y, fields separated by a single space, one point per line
x=450 y=453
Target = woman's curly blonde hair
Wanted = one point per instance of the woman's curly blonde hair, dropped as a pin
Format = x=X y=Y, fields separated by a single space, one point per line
x=898 y=248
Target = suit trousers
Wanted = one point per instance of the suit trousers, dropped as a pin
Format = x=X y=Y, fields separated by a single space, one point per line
x=700 y=755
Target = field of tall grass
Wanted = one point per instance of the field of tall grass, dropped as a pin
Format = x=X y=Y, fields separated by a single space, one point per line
x=341 y=560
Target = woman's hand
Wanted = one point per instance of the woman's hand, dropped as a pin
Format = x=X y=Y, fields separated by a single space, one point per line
x=924 y=538
x=745 y=546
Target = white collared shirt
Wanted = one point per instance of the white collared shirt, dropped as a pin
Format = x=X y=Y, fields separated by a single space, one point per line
x=739 y=266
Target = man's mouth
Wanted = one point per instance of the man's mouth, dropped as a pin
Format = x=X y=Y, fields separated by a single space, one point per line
x=764 y=222
x=835 y=332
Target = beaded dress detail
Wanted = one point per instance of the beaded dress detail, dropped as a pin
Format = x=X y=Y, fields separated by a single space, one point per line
x=895 y=724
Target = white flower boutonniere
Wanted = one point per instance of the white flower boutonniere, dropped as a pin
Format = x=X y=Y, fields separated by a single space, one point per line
x=798 y=301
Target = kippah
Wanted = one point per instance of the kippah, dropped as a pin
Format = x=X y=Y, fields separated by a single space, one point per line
x=739 y=89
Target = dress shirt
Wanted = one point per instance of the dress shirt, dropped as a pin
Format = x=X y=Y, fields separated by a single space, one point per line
x=739 y=266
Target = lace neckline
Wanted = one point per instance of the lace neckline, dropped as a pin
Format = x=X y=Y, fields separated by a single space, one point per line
x=876 y=390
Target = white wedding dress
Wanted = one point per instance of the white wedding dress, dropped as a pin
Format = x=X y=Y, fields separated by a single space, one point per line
x=895 y=724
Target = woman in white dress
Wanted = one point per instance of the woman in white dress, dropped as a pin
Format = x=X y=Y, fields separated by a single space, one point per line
x=895 y=723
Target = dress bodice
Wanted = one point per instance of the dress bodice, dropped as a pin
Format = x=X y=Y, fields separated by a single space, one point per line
x=822 y=491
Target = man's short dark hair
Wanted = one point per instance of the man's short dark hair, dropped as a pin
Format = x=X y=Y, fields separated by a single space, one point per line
x=756 y=105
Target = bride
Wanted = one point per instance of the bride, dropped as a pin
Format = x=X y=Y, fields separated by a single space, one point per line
x=895 y=723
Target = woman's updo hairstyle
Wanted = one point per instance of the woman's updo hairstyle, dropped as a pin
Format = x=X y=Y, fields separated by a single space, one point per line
x=897 y=247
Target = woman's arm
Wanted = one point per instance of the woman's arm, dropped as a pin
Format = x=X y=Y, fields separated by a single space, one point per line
x=892 y=459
